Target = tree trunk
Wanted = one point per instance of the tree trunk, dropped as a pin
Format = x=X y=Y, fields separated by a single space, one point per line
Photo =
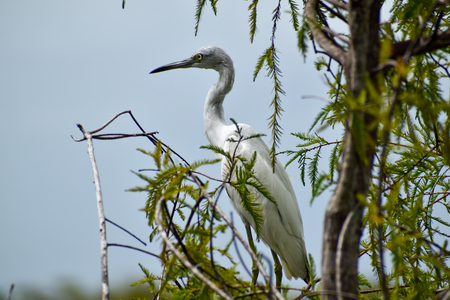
x=343 y=219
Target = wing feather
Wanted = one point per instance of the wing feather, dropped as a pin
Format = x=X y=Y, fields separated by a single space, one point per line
x=283 y=227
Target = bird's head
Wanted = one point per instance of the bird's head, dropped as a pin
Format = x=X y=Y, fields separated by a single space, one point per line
x=209 y=57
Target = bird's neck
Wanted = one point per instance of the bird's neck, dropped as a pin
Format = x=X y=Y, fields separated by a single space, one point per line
x=213 y=114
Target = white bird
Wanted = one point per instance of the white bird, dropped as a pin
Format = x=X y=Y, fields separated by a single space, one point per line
x=282 y=228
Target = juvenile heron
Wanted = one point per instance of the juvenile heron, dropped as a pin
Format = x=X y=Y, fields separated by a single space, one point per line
x=282 y=230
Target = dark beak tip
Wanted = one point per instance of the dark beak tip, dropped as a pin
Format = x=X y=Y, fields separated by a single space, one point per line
x=176 y=65
x=155 y=70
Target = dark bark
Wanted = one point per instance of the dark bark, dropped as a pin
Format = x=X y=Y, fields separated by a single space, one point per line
x=343 y=218
x=424 y=45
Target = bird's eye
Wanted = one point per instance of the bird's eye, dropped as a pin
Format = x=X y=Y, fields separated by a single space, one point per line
x=199 y=57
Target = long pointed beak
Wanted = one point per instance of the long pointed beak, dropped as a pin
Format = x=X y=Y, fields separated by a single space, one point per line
x=176 y=65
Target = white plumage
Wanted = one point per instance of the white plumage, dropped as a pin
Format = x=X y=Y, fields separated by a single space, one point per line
x=282 y=230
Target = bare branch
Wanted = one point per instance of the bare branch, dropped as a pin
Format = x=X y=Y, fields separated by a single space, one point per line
x=150 y=135
x=337 y=13
x=211 y=248
x=440 y=65
x=379 y=290
x=115 y=136
x=335 y=34
x=338 y=4
x=133 y=248
x=111 y=120
x=410 y=169
x=209 y=177
x=330 y=47
x=332 y=293
x=10 y=292
x=118 y=226
x=101 y=215
x=424 y=45
x=158 y=297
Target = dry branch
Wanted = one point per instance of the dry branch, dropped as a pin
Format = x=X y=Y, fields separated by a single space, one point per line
x=88 y=137
x=101 y=215
x=8 y=297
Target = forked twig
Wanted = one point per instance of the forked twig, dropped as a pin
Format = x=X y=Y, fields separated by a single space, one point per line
x=88 y=136
x=150 y=135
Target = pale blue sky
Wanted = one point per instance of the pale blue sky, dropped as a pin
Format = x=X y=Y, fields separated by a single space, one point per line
x=68 y=62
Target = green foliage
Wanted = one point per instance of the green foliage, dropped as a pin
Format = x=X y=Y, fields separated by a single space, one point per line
x=270 y=59
x=401 y=115
x=241 y=177
x=188 y=221
x=252 y=19
x=294 y=14
x=407 y=106
x=199 y=11
x=308 y=159
x=303 y=37
x=192 y=224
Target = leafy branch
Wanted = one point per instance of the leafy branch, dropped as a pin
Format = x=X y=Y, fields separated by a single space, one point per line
x=239 y=174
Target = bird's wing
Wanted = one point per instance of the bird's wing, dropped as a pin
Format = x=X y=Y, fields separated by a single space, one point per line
x=278 y=183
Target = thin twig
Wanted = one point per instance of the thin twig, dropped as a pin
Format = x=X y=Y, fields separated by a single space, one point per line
x=406 y=57
x=273 y=289
x=379 y=290
x=408 y=53
x=133 y=248
x=117 y=225
x=207 y=176
x=191 y=215
x=184 y=261
x=337 y=13
x=115 y=136
x=10 y=292
x=440 y=65
x=410 y=169
x=205 y=195
x=158 y=296
x=331 y=48
x=338 y=4
x=334 y=293
x=238 y=252
x=211 y=248
x=443 y=197
x=335 y=34
x=110 y=121
x=150 y=136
